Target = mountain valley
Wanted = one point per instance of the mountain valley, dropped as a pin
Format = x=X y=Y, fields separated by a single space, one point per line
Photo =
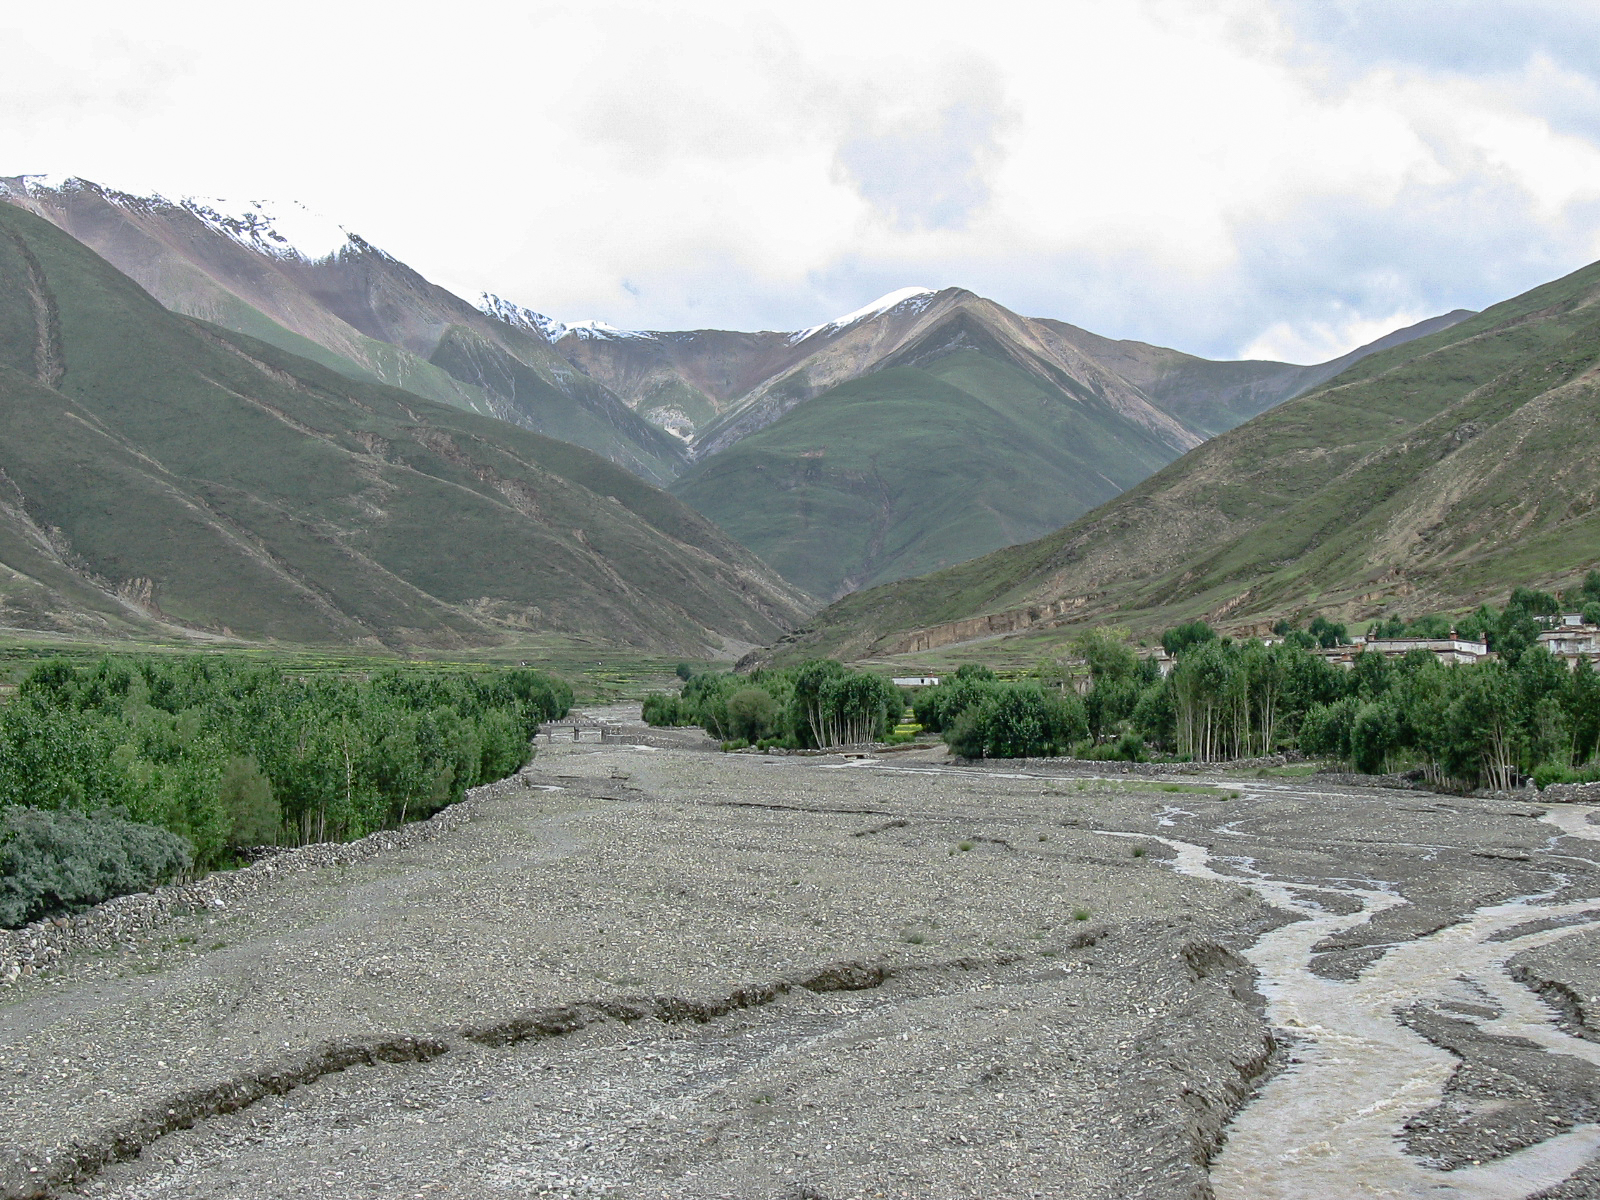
x=918 y=432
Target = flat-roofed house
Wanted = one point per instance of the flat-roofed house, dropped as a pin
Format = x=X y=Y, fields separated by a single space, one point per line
x=1574 y=642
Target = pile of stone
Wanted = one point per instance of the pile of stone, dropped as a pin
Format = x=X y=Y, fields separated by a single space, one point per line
x=1572 y=793
x=120 y=922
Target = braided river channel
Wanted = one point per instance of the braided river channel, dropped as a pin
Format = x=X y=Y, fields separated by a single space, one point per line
x=1330 y=1124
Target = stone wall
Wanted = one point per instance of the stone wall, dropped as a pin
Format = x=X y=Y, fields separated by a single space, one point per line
x=1118 y=767
x=121 y=920
x=1352 y=779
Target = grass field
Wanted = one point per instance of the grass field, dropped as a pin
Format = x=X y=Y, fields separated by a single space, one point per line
x=598 y=675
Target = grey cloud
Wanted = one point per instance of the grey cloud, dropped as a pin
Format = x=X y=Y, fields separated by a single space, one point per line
x=930 y=173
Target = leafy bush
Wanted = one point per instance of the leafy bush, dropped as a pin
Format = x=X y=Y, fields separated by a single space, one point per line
x=662 y=708
x=1374 y=733
x=936 y=708
x=1018 y=721
x=1180 y=637
x=53 y=862
x=255 y=816
x=1129 y=747
x=751 y=712
x=1325 y=731
x=1547 y=773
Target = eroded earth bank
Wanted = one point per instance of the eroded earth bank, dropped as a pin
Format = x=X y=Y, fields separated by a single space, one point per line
x=667 y=972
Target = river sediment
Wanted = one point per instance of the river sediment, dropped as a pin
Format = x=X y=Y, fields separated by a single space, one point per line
x=661 y=972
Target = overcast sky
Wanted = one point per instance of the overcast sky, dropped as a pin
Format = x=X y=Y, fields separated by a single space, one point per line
x=1274 y=178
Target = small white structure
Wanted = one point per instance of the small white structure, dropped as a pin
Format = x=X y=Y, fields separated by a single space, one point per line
x=916 y=681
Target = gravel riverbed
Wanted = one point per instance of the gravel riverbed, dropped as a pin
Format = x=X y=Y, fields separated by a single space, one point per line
x=667 y=972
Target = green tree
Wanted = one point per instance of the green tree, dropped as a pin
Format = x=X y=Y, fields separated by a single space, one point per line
x=1374 y=734
x=751 y=712
x=1328 y=634
x=247 y=799
x=1180 y=637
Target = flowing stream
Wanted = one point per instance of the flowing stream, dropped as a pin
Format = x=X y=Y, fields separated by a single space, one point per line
x=1328 y=1126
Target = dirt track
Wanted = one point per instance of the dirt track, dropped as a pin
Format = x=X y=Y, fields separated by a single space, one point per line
x=673 y=973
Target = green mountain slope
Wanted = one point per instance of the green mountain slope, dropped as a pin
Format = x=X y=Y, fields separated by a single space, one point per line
x=1424 y=477
x=349 y=306
x=910 y=469
x=160 y=473
x=574 y=408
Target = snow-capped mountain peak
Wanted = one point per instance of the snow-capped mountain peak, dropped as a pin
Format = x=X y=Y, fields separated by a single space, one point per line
x=882 y=304
x=281 y=229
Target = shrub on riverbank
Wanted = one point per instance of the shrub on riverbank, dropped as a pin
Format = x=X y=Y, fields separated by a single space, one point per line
x=53 y=861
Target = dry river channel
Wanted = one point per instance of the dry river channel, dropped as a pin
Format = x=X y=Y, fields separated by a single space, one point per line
x=653 y=970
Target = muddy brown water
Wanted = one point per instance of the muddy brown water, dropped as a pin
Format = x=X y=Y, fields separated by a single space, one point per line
x=1330 y=1125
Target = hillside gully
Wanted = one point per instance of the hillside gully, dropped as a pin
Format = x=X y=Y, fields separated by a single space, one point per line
x=654 y=970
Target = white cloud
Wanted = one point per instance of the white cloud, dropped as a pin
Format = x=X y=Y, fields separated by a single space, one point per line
x=1216 y=175
x=1318 y=341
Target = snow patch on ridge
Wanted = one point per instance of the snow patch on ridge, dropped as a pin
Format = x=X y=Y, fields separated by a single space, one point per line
x=912 y=299
x=526 y=319
x=519 y=317
x=882 y=304
x=277 y=229
x=599 y=329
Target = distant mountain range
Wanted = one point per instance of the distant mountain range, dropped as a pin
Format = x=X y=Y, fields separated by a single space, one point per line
x=1426 y=477
x=917 y=432
x=161 y=474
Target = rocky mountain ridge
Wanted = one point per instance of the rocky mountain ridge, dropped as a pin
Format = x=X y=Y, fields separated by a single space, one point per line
x=348 y=305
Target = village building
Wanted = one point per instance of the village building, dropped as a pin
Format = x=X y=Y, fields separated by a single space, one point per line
x=915 y=681
x=1446 y=650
